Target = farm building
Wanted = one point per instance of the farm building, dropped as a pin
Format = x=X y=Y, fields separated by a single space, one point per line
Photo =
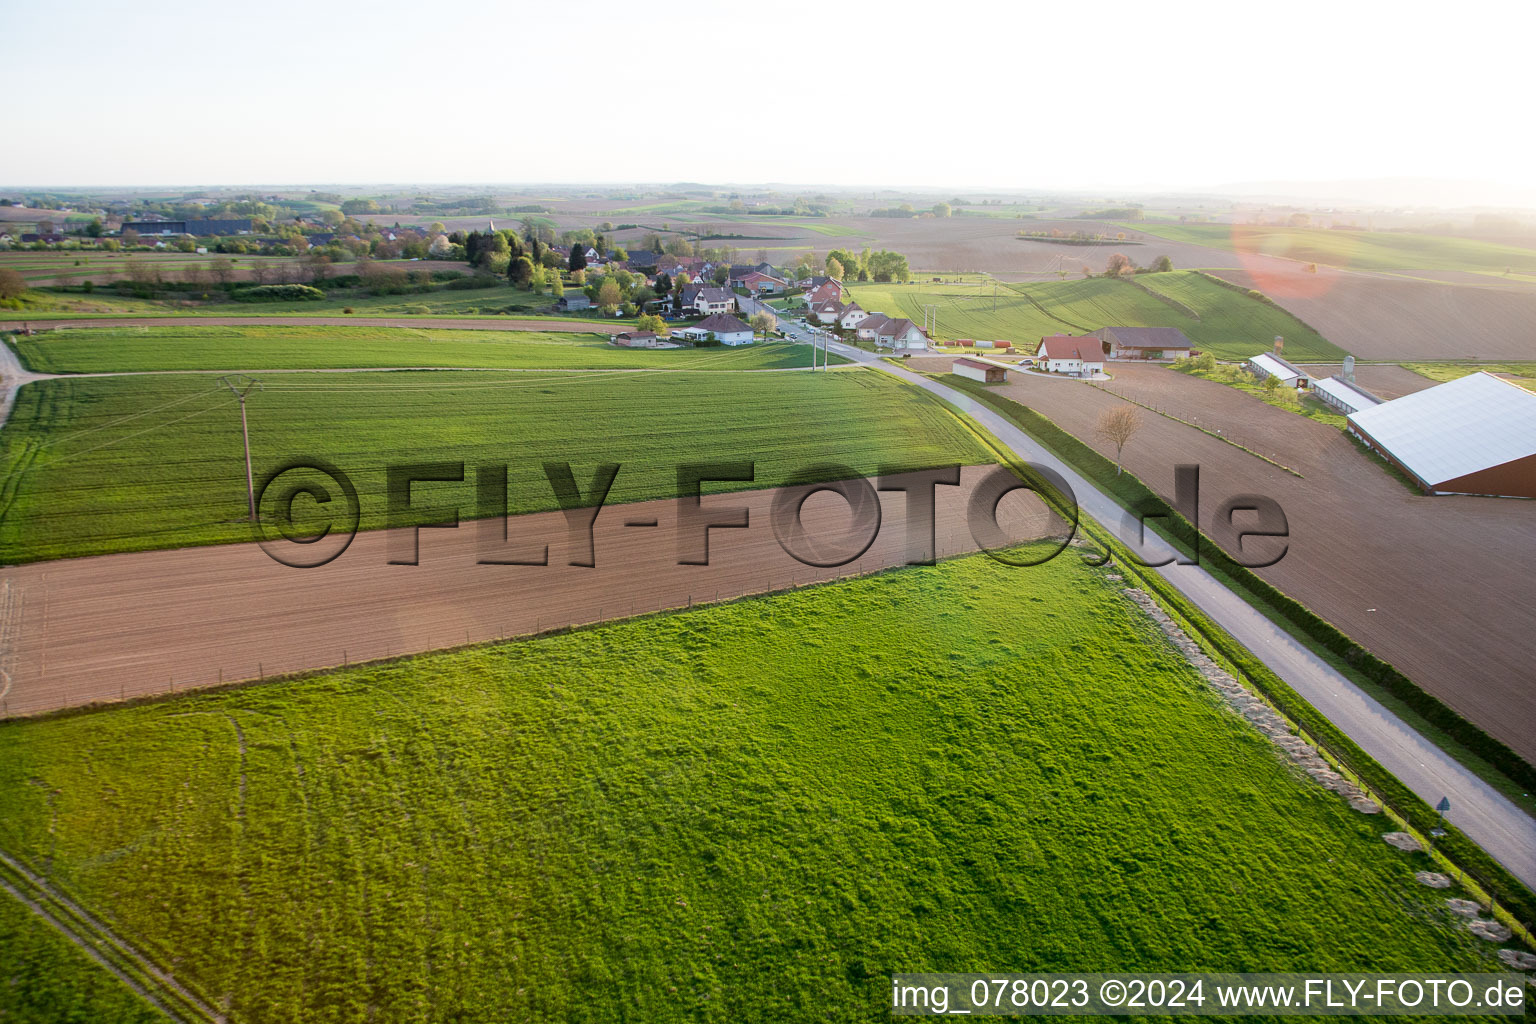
x=1154 y=344
x=979 y=369
x=1344 y=395
x=1473 y=435
x=1061 y=353
x=641 y=339
x=726 y=329
x=572 y=301
x=1289 y=375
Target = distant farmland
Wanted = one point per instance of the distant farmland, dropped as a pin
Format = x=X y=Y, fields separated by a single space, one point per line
x=1218 y=319
x=750 y=812
x=1361 y=250
x=93 y=465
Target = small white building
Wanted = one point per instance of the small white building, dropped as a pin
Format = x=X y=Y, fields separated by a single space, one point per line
x=1343 y=395
x=723 y=327
x=641 y=339
x=1079 y=357
x=1288 y=374
x=851 y=316
x=900 y=335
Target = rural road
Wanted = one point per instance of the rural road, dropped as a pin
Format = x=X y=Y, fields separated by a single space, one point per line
x=1506 y=832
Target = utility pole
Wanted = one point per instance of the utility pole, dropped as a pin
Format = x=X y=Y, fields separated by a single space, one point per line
x=242 y=385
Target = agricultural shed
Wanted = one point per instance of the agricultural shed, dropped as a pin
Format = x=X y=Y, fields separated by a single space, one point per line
x=1473 y=435
x=978 y=369
x=1155 y=344
x=1289 y=375
x=641 y=339
x=1344 y=395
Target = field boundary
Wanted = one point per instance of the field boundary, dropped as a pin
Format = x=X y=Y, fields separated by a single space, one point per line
x=1519 y=902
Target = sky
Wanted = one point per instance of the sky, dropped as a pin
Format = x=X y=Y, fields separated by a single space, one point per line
x=1017 y=95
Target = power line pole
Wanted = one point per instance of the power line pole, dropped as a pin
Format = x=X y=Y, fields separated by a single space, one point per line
x=242 y=385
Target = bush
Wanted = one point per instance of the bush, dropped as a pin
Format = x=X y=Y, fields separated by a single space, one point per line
x=460 y=282
x=418 y=310
x=278 y=293
x=348 y=309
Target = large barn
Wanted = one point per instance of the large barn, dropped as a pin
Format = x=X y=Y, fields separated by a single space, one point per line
x=1473 y=435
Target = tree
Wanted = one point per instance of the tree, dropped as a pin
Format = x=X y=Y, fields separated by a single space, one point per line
x=318 y=264
x=440 y=247
x=653 y=323
x=1162 y=265
x=834 y=269
x=1117 y=426
x=941 y=209
x=1119 y=263
x=129 y=238
x=94 y=227
x=12 y=284
x=663 y=284
x=721 y=275
x=556 y=286
x=849 y=261
x=609 y=295
x=520 y=272
x=45 y=227
x=223 y=272
x=578 y=260
x=764 y=322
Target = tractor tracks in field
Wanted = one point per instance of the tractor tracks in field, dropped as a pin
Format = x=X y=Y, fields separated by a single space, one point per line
x=87 y=933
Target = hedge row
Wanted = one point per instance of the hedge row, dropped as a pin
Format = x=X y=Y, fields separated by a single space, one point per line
x=1493 y=878
x=277 y=293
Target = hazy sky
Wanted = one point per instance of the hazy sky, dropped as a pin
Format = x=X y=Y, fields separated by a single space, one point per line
x=1007 y=94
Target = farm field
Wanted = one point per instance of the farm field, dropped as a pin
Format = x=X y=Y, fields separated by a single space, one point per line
x=41 y=267
x=1393 y=319
x=754 y=811
x=193 y=347
x=1361 y=250
x=101 y=464
x=1523 y=374
x=1231 y=325
x=44 y=978
x=1358 y=538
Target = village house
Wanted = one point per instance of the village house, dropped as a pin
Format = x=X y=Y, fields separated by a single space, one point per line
x=1080 y=357
x=900 y=335
x=722 y=327
x=706 y=301
x=851 y=316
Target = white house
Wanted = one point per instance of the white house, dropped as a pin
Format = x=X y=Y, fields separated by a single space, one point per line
x=865 y=331
x=900 y=335
x=1061 y=353
x=851 y=316
x=708 y=301
x=826 y=311
x=726 y=329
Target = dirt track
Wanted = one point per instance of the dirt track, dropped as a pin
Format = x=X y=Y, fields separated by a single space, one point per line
x=451 y=323
x=98 y=629
x=1441 y=587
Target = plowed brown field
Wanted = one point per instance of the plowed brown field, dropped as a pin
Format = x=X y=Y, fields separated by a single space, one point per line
x=121 y=626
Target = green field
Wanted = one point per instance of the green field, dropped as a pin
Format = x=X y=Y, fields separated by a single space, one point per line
x=101 y=464
x=192 y=347
x=44 y=979
x=1230 y=324
x=752 y=812
x=1362 y=250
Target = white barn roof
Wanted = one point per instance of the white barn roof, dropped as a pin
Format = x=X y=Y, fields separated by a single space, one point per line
x=1345 y=393
x=1275 y=367
x=1459 y=427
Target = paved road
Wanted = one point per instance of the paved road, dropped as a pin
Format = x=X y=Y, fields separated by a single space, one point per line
x=1505 y=831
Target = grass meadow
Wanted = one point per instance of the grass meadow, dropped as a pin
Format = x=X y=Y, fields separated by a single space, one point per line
x=100 y=464
x=194 y=347
x=1216 y=318
x=1523 y=374
x=1362 y=250
x=750 y=812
